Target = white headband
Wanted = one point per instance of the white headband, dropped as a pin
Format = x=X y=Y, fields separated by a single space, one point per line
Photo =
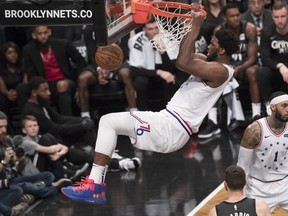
x=279 y=99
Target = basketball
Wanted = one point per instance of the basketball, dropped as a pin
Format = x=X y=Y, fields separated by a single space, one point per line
x=109 y=57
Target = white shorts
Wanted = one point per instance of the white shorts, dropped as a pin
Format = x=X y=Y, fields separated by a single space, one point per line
x=159 y=132
x=273 y=193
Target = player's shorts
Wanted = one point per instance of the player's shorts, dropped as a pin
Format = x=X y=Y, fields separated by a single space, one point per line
x=162 y=131
x=273 y=193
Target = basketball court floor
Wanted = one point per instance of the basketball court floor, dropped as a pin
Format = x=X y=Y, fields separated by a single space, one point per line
x=165 y=185
x=186 y=182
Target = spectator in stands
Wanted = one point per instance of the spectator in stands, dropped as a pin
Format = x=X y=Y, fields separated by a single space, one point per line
x=9 y=197
x=237 y=203
x=12 y=73
x=46 y=153
x=50 y=58
x=214 y=11
x=13 y=162
x=145 y=64
x=245 y=65
x=213 y=19
x=273 y=76
x=97 y=76
x=258 y=15
x=75 y=132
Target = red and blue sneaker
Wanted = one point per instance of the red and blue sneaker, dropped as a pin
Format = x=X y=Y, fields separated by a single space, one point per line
x=86 y=191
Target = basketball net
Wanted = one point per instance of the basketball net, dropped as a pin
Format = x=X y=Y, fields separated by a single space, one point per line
x=171 y=30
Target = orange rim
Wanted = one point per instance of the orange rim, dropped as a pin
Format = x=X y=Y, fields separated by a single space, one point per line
x=157 y=9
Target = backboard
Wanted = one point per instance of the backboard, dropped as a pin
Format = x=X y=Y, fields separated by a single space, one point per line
x=112 y=19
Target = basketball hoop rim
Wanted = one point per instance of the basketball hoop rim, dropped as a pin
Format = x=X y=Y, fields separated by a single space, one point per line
x=156 y=8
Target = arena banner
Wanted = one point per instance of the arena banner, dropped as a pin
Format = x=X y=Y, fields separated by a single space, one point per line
x=45 y=12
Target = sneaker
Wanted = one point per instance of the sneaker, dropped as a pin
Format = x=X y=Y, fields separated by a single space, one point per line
x=64 y=182
x=130 y=163
x=27 y=198
x=86 y=191
x=75 y=174
x=209 y=130
x=115 y=155
x=19 y=209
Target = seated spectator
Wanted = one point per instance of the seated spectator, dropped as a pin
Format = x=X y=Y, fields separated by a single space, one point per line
x=12 y=73
x=145 y=64
x=13 y=162
x=258 y=15
x=273 y=75
x=50 y=58
x=46 y=153
x=213 y=9
x=93 y=76
x=75 y=132
x=237 y=203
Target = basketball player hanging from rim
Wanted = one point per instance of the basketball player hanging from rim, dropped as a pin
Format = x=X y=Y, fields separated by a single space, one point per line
x=168 y=130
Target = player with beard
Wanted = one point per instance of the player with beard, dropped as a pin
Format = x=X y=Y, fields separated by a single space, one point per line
x=168 y=130
x=263 y=155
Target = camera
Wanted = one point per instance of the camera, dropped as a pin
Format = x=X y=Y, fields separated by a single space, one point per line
x=16 y=142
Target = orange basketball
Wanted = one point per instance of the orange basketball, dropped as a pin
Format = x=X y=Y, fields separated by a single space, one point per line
x=109 y=57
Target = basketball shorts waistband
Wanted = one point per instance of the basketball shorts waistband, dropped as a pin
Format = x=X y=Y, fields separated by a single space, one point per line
x=181 y=121
x=269 y=181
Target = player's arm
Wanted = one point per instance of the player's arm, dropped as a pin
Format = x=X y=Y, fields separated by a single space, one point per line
x=185 y=59
x=262 y=208
x=191 y=63
x=250 y=139
x=252 y=47
x=212 y=212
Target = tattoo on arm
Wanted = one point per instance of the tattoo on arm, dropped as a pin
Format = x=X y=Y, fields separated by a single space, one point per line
x=251 y=137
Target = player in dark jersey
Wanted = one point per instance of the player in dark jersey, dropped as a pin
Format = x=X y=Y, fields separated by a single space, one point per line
x=237 y=203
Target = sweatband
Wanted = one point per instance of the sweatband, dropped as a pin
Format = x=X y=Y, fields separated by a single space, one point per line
x=279 y=99
x=245 y=159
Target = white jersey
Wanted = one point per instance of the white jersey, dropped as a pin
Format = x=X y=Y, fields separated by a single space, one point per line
x=141 y=52
x=194 y=99
x=270 y=157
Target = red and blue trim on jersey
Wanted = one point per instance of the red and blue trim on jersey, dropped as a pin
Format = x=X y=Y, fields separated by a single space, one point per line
x=182 y=122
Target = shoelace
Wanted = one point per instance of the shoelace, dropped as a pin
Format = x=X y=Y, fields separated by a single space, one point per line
x=84 y=184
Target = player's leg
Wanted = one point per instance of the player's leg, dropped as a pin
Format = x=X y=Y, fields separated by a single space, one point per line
x=126 y=78
x=63 y=87
x=251 y=73
x=86 y=78
x=110 y=126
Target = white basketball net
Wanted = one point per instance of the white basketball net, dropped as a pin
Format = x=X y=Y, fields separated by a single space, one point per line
x=171 y=30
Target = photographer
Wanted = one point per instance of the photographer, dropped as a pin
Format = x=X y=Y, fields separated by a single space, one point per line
x=14 y=161
x=9 y=197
